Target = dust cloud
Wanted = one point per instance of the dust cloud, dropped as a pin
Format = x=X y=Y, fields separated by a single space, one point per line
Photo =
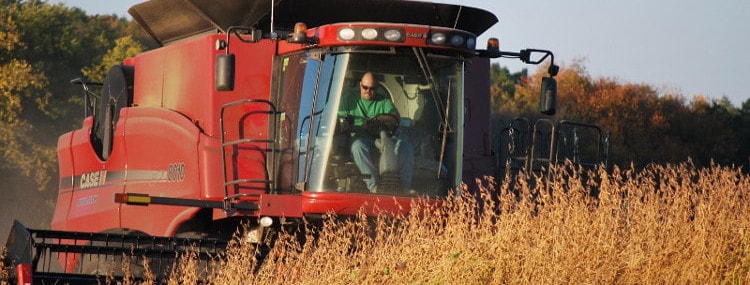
x=20 y=200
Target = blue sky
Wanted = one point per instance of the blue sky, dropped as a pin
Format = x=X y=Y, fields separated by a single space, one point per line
x=686 y=47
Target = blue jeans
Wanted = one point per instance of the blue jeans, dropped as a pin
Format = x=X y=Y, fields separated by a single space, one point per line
x=362 y=150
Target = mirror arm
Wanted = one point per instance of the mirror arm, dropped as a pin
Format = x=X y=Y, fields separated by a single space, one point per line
x=510 y=54
x=525 y=56
x=224 y=68
x=548 y=96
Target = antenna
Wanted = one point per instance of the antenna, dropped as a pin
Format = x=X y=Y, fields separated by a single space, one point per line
x=273 y=35
x=458 y=15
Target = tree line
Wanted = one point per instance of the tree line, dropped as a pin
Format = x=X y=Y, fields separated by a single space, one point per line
x=646 y=125
x=42 y=48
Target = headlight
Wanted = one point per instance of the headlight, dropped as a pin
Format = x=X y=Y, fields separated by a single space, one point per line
x=346 y=34
x=369 y=34
x=266 y=222
x=457 y=40
x=392 y=35
x=438 y=38
x=471 y=43
x=382 y=34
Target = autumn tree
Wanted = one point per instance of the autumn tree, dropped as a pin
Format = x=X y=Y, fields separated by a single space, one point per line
x=21 y=93
x=503 y=88
x=43 y=47
x=66 y=43
x=646 y=124
x=710 y=130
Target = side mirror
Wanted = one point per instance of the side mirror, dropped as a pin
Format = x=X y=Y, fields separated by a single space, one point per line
x=548 y=98
x=224 y=73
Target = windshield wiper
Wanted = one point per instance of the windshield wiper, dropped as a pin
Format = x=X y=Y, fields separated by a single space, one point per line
x=442 y=109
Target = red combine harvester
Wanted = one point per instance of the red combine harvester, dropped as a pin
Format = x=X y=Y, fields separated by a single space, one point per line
x=237 y=119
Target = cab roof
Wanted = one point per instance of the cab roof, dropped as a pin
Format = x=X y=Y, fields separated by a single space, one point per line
x=168 y=21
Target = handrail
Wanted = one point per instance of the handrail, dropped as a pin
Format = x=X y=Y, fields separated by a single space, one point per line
x=271 y=139
x=532 y=152
x=515 y=147
x=576 y=150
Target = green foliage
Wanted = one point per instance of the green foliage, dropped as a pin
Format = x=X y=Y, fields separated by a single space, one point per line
x=503 y=89
x=125 y=47
x=43 y=47
x=22 y=89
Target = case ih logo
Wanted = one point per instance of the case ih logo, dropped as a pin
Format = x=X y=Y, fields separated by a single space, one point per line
x=93 y=179
x=416 y=35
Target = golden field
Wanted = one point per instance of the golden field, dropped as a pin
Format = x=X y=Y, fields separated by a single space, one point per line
x=672 y=224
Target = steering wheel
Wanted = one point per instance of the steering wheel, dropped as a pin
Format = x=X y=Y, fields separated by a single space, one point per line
x=385 y=121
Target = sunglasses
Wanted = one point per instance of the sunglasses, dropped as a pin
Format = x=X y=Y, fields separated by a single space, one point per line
x=367 y=88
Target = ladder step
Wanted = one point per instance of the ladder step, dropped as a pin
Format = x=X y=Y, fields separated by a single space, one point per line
x=235 y=142
x=240 y=181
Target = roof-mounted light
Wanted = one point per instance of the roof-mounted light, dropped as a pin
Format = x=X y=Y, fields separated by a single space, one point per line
x=493 y=44
x=392 y=35
x=471 y=43
x=299 y=35
x=438 y=38
x=493 y=49
x=452 y=39
x=457 y=40
x=346 y=34
x=359 y=33
x=369 y=33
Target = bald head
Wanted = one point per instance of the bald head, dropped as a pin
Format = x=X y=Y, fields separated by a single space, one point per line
x=368 y=85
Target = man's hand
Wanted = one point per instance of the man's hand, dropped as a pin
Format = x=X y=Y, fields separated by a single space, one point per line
x=386 y=122
x=345 y=124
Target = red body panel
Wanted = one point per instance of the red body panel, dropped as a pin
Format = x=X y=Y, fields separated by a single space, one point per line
x=172 y=147
x=351 y=204
x=66 y=168
x=163 y=161
x=180 y=78
x=84 y=201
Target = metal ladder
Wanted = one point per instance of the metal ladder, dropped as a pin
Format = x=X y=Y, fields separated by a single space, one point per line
x=269 y=152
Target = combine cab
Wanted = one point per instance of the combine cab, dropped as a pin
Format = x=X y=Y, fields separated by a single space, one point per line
x=235 y=120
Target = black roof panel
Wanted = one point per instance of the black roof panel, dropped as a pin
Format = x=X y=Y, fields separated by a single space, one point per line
x=167 y=21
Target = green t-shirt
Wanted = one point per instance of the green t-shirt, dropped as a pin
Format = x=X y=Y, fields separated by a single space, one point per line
x=361 y=109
